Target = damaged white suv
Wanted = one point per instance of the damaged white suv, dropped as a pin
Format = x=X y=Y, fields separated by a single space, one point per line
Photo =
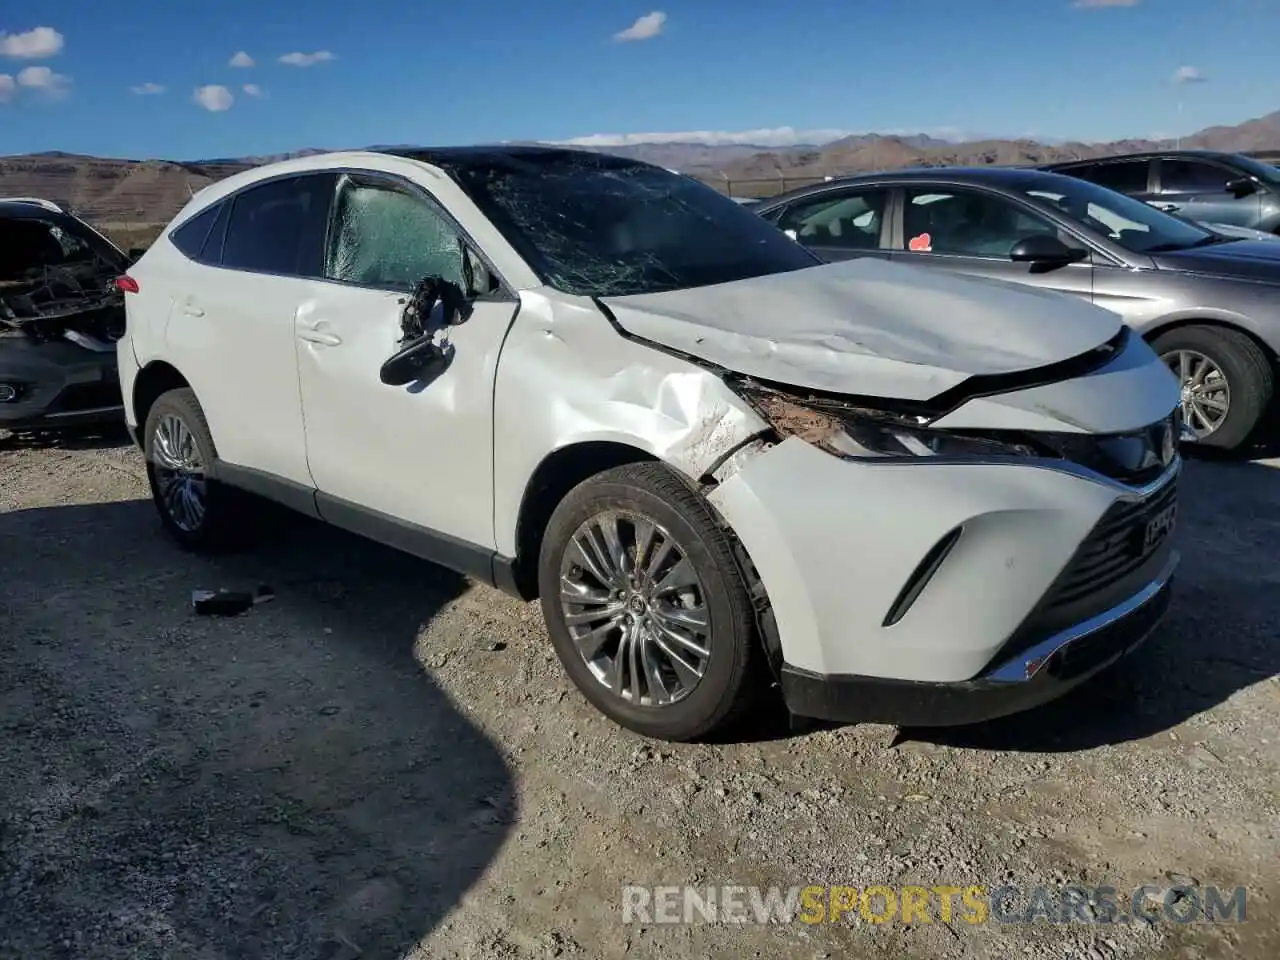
x=723 y=467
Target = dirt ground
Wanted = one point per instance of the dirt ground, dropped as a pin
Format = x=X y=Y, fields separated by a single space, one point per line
x=386 y=761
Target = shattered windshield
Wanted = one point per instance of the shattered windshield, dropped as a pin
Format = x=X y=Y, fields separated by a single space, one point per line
x=603 y=226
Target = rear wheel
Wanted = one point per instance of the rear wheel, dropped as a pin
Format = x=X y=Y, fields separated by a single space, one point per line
x=1226 y=381
x=646 y=606
x=199 y=512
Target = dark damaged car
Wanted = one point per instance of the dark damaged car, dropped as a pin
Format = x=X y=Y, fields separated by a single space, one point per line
x=61 y=313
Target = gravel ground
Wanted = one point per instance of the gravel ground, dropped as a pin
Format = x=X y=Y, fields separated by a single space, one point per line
x=386 y=761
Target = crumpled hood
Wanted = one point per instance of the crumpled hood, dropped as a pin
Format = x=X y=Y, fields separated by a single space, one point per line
x=868 y=327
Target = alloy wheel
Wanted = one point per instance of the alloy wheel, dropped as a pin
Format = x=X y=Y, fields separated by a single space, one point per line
x=1206 y=394
x=179 y=473
x=635 y=609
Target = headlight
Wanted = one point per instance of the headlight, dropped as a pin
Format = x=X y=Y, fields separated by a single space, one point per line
x=860 y=433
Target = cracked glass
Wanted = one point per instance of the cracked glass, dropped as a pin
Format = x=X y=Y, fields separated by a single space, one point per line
x=604 y=226
x=386 y=237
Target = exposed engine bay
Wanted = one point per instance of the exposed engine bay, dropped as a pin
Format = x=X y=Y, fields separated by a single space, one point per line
x=57 y=283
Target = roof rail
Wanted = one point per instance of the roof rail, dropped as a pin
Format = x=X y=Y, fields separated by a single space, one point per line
x=47 y=204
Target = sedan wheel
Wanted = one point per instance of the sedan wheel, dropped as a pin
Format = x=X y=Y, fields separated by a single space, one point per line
x=635 y=609
x=1206 y=393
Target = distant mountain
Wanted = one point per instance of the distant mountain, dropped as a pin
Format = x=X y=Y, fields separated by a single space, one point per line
x=152 y=191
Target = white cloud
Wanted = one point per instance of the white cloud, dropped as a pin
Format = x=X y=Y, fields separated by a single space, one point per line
x=241 y=59
x=8 y=87
x=147 y=89
x=1189 y=75
x=214 y=97
x=252 y=90
x=1094 y=4
x=35 y=44
x=763 y=137
x=44 y=80
x=645 y=28
x=306 y=59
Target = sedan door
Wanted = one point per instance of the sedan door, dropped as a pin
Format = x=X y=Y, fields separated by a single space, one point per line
x=410 y=465
x=840 y=224
x=1197 y=190
x=969 y=230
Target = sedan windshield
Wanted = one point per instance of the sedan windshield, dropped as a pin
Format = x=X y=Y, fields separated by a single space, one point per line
x=1132 y=224
x=604 y=226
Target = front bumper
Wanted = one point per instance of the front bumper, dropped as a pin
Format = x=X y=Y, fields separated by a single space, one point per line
x=1041 y=673
x=929 y=574
x=58 y=385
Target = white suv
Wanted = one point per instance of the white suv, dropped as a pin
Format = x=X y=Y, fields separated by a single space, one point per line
x=723 y=467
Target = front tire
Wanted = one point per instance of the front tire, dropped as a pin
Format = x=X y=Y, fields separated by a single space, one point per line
x=1227 y=382
x=200 y=513
x=646 y=605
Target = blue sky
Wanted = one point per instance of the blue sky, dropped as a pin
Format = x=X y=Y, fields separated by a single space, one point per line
x=400 y=71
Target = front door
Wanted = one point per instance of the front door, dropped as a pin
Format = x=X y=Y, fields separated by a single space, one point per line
x=419 y=455
x=1197 y=190
x=971 y=231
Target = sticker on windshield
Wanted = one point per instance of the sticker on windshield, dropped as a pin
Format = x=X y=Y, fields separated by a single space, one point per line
x=922 y=243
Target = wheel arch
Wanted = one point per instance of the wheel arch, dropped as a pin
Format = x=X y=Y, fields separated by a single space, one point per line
x=558 y=473
x=153 y=380
x=1202 y=320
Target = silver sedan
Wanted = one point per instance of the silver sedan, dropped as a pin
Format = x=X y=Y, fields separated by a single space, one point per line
x=1208 y=302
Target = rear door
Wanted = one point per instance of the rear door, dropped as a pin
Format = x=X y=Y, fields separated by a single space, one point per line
x=1197 y=189
x=840 y=224
x=231 y=330
x=1135 y=178
x=970 y=230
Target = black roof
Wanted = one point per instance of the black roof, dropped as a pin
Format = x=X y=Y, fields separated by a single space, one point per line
x=507 y=155
x=1144 y=155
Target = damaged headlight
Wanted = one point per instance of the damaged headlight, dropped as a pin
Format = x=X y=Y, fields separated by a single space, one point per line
x=852 y=432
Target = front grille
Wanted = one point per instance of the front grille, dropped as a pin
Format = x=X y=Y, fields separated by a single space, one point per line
x=1121 y=542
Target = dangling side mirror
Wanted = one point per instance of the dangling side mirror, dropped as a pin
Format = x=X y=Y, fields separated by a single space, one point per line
x=422 y=359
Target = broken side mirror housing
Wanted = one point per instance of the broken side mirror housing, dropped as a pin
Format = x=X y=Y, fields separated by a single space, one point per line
x=422 y=359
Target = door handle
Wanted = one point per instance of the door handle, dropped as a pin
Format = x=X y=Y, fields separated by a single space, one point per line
x=1169 y=207
x=320 y=337
x=191 y=310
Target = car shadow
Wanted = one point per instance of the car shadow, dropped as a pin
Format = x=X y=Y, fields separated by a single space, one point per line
x=286 y=782
x=102 y=437
x=1218 y=639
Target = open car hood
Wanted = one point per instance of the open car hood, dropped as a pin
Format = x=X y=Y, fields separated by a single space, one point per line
x=868 y=327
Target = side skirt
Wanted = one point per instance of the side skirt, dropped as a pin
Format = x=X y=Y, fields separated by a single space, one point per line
x=479 y=563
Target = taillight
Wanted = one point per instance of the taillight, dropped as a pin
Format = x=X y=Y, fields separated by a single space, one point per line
x=127 y=284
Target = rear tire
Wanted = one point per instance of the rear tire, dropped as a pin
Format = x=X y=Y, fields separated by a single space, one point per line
x=198 y=511
x=628 y=624
x=1239 y=375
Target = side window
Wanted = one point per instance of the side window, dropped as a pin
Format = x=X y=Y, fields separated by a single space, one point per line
x=850 y=220
x=279 y=227
x=190 y=237
x=1191 y=176
x=385 y=236
x=965 y=223
x=1125 y=177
